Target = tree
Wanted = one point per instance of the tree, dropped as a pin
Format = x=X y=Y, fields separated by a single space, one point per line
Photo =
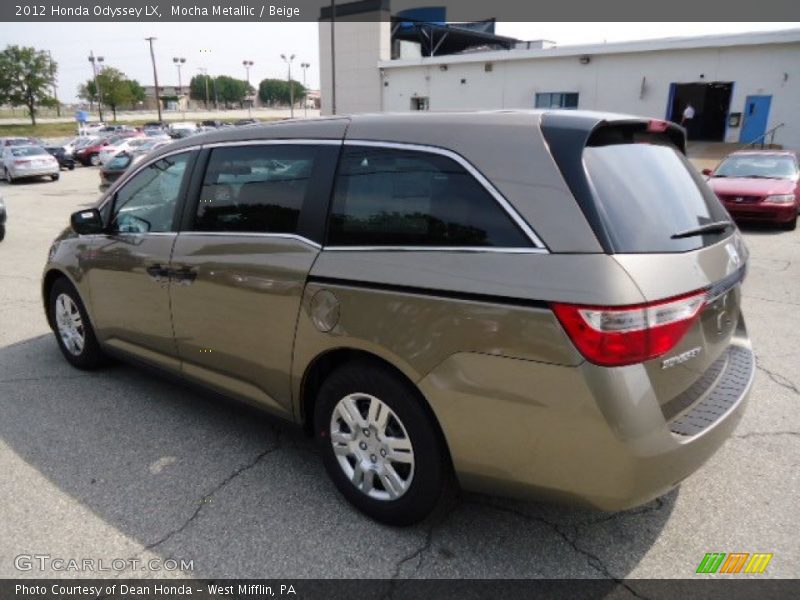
x=115 y=88
x=277 y=91
x=26 y=77
x=231 y=90
x=138 y=93
x=88 y=91
x=200 y=89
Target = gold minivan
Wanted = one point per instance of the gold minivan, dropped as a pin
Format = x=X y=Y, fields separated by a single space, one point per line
x=535 y=303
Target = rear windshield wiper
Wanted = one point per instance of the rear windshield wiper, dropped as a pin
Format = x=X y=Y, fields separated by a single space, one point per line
x=715 y=227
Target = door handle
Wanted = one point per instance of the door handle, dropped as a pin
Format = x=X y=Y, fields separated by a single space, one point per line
x=185 y=275
x=157 y=272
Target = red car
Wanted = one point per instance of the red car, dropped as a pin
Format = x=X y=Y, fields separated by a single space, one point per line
x=759 y=185
x=89 y=155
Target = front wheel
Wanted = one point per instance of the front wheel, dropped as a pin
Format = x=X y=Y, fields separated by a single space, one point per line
x=379 y=445
x=74 y=332
x=791 y=225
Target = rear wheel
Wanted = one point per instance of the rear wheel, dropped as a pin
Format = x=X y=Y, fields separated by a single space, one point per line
x=379 y=445
x=55 y=176
x=74 y=332
x=2 y=232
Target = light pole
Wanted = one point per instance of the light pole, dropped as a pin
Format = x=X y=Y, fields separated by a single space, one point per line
x=95 y=60
x=155 y=76
x=288 y=61
x=247 y=64
x=204 y=71
x=179 y=62
x=305 y=66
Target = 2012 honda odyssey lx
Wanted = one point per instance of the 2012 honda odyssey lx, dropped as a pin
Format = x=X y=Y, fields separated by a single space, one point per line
x=540 y=303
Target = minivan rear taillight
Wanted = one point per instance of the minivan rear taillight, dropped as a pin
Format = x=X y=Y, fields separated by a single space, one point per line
x=616 y=336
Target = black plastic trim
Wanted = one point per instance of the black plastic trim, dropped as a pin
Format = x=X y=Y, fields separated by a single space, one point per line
x=435 y=293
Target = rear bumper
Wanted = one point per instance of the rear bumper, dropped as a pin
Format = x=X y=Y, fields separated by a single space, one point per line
x=35 y=172
x=762 y=211
x=581 y=435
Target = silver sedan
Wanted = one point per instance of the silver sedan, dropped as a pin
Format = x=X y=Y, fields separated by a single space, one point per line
x=20 y=162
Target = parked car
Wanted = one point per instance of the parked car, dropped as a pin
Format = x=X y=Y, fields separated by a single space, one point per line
x=90 y=154
x=71 y=144
x=2 y=220
x=181 y=130
x=759 y=185
x=26 y=162
x=481 y=293
x=121 y=145
x=15 y=141
x=149 y=146
x=115 y=167
x=241 y=122
x=65 y=161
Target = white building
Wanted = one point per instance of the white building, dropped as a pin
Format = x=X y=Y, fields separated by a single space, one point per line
x=741 y=86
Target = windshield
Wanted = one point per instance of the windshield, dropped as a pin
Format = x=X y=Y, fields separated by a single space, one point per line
x=771 y=166
x=28 y=151
x=647 y=193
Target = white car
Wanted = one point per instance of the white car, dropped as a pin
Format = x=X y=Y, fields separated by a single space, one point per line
x=20 y=162
x=91 y=129
x=123 y=145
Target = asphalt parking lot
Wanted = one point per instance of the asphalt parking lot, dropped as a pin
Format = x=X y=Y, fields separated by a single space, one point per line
x=122 y=464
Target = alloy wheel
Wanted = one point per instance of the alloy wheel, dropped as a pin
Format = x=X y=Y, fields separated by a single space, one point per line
x=70 y=325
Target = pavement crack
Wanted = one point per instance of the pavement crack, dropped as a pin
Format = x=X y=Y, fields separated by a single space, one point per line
x=592 y=559
x=778 y=378
x=206 y=499
x=750 y=434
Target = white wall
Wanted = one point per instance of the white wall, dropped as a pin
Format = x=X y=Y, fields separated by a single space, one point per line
x=359 y=47
x=609 y=82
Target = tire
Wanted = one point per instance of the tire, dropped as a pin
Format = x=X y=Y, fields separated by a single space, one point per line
x=64 y=301
x=71 y=167
x=2 y=232
x=791 y=225
x=94 y=160
x=402 y=492
x=55 y=176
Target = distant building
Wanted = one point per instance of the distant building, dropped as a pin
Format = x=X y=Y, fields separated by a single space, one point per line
x=740 y=86
x=172 y=97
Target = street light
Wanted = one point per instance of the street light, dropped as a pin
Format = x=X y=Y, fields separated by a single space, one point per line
x=305 y=66
x=288 y=61
x=179 y=62
x=155 y=75
x=247 y=64
x=95 y=60
x=204 y=71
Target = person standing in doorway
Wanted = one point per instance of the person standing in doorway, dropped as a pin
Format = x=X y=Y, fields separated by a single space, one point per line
x=688 y=115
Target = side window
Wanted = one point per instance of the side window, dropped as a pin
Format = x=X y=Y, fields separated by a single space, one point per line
x=257 y=189
x=146 y=203
x=389 y=197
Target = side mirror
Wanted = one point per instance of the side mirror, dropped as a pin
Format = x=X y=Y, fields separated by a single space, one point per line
x=87 y=222
x=707 y=172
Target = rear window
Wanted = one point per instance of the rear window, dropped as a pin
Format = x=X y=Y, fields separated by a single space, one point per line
x=647 y=192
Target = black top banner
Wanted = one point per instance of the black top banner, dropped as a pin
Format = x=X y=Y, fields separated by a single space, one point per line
x=382 y=10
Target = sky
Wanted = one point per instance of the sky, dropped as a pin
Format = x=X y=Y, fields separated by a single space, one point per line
x=221 y=47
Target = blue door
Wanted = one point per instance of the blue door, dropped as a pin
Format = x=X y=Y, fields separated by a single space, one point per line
x=754 y=119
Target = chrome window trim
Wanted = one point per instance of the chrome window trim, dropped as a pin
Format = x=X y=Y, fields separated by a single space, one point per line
x=127 y=177
x=251 y=234
x=470 y=168
x=277 y=142
x=486 y=249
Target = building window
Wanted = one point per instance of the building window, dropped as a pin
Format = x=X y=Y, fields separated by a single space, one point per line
x=557 y=100
x=392 y=197
x=420 y=103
